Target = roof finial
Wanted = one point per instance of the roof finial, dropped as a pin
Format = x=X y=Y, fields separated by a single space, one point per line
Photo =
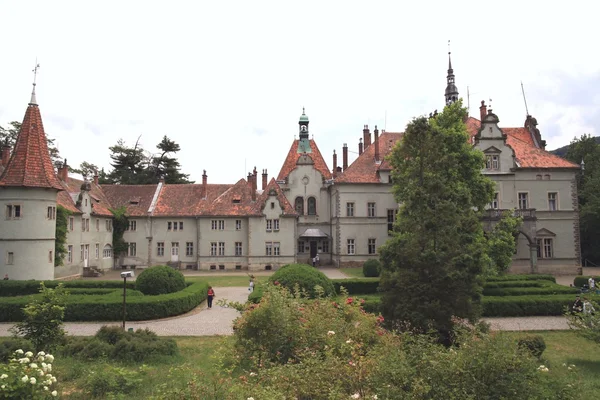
x=303 y=113
x=33 y=99
x=449 y=59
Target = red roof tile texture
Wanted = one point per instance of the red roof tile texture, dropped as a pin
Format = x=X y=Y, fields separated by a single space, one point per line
x=100 y=203
x=137 y=199
x=292 y=158
x=526 y=153
x=30 y=164
x=288 y=209
x=364 y=169
x=186 y=200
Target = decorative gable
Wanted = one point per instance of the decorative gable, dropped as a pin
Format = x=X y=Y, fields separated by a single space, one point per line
x=492 y=150
x=545 y=232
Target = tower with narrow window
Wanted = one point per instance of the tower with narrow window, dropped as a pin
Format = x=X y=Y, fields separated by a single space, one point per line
x=28 y=194
x=451 y=89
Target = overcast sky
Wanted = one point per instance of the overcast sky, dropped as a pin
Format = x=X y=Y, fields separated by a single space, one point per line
x=227 y=80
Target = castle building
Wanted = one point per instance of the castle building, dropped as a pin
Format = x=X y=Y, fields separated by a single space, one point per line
x=342 y=214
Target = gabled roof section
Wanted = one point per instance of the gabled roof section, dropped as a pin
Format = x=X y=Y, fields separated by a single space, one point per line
x=364 y=169
x=185 y=200
x=235 y=201
x=72 y=187
x=292 y=158
x=274 y=188
x=30 y=164
x=136 y=198
x=526 y=153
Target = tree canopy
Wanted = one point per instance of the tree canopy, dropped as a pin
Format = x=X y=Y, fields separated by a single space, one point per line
x=432 y=263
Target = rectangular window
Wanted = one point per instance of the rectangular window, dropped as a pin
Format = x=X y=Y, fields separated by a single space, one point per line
x=180 y=225
x=238 y=248
x=391 y=217
x=51 y=213
x=160 y=249
x=269 y=248
x=17 y=212
x=523 y=201
x=351 y=248
x=71 y=223
x=552 y=201
x=495 y=204
x=174 y=248
x=13 y=211
x=217 y=224
x=371 y=210
x=131 y=249
x=97 y=225
x=81 y=252
x=189 y=248
x=300 y=246
x=10 y=258
x=371 y=245
x=169 y=225
x=492 y=162
x=174 y=225
x=213 y=248
x=545 y=248
x=50 y=258
x=97 y=250
x=70 y=253
x=238 y=224
x=349 y=209
x=221 y=248
x=275 y=224
x=269 y=225
x=325 y=246
x=86 y=253
x=276 y=249
x=107 y=251
x=108 y=225
x=132 y=226
x=82 y=224
x=87 y=224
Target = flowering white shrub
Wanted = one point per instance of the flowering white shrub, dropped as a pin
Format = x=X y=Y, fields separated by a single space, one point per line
x=28 y=377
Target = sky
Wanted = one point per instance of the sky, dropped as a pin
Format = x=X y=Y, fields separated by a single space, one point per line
x=227 y=80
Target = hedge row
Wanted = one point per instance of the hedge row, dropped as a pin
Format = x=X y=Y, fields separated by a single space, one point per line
x=357 y=285
x=109 y=307
x=583 y=280
x=542 y=288
x=521 y=278
x=503 y=284
x=20 y=288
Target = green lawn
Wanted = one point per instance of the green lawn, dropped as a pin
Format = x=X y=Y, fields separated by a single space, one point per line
x=226 y=280
x=354 y=272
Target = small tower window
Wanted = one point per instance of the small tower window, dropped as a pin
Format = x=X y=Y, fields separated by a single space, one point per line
x=299 y=205
x=312 y=206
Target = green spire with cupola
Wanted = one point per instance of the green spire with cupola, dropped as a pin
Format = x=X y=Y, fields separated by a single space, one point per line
x=303 y=142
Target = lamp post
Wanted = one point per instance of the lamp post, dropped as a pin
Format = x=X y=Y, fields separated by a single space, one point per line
x=125 y=275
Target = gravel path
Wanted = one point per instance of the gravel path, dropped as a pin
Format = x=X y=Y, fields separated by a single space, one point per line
x=528 y=323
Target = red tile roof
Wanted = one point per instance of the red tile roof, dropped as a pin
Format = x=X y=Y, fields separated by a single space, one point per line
x=65 y=200
x=224 y=204
x=364 y=169
x=186 y=199
x=136 y=198
x=30 y=163
x=292 y=158
x=100 y=203
x=526 y=153
x=259 y=206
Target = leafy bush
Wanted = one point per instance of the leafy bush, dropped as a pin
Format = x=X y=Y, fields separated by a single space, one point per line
x=43 y=319
x=256 y=295
x=305 y=276
x=357 y=285
x=371 y=268
x=86 y=348
x=9 y=345
x=107 y=380
x=511 y=277
x=160 y=280
x=110 y=334
x=110 y=308
x=579 y=281
x=534 y=344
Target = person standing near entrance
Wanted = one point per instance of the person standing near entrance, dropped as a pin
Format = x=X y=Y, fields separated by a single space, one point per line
x=314 y=261
x=210 y=296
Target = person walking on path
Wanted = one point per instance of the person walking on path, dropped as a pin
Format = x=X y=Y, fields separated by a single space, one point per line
x=210 y=296
x=251 y=286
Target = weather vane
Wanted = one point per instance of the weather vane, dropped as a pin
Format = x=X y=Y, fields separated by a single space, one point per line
x=448 y=46
x=34 y=70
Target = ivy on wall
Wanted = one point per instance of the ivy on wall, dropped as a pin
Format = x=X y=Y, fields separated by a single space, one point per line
x=60 y=250
x=120 y=224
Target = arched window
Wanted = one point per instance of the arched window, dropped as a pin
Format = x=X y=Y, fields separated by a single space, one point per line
x=300 y=205
x=107 y=251
x=312 y=206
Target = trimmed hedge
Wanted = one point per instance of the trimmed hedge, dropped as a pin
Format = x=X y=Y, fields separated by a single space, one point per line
x=542 y=288
x=109 y=307
x=579 y=281
x=371 y=268
x=521 y=278
x=160 y=279
x=501 y=284
x=305 y=276
x=21 y=288
x=357 y=285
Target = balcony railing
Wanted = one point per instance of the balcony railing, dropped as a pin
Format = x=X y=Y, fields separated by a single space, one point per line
x=496 y=214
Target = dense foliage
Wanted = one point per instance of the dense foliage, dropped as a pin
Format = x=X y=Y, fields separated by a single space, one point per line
x=586 y=323
x=160 y=279
x=305 y=276
x=60 y=249
x=371 y=268
x=431 y=266
x=120 y=224
x=501 y=244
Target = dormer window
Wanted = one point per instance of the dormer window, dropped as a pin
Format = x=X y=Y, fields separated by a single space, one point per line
x=492 y=162
x=236 y=201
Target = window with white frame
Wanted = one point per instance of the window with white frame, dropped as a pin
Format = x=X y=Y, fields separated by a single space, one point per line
x=552 y=201
x=300 y=246
x=132 y=226
x=108 y=224
x=350 y=247
x=51 y=212
x=169 y=225
x=97 y=251
x=107 y=251
x=71 y=223
x=189 y=248
x=13 y=211
x=86 y=253
x=545 y=248
x=131 y=249
x=276 y=248
x=276 y=224
x=495 y=204
x=371 y=246
x=81 y=252
x=10 y=258
x=269 y=225
x=217 y=224
x=221 y=248
x=160 y=249
x=238 y=224
x=238 y=248
x=269 y=248
x=523 y=201
x=70 y=253
x=350 y=209
x=371 y=210
x=492 y=162
x=174 y=248
x=213 y=248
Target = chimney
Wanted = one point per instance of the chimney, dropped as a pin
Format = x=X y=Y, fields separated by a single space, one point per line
x=95 y=177
x=334 y=164
x=360 y=146
x=264 y=179
x=63 y=172
x=376 y=134
x=366 y=136
x=250 y=180
x=345 y=156
x=254 y=182
x=482 y=110
x=5 y=155
x=204 y=184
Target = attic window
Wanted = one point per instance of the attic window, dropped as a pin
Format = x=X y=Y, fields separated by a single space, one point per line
x=272 y=204
x=134 y=200
x=237 y=200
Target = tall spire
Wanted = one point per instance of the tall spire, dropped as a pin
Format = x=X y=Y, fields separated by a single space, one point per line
x=451 y=89
x=33 y=100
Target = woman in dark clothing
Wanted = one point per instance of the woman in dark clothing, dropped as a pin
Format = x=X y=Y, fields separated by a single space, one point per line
x=210 y=296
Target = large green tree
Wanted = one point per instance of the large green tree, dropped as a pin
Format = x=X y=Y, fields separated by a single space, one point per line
x=165 y=165
x=431 y=265
x=130 y=164
x=586 y=149
x=8 y=137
